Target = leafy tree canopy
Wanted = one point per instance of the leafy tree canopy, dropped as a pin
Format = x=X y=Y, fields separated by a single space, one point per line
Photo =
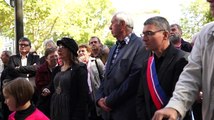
x=53 y=19
x=195 y=16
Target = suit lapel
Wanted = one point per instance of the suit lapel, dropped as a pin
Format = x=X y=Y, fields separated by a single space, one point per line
x=120 y=55
x=108 y=65
x=29 y=59
x=18 y=60
x=125 y=47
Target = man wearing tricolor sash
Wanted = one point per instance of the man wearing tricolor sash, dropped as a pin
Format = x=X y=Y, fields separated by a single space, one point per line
x=197 y=75
x=160 y=71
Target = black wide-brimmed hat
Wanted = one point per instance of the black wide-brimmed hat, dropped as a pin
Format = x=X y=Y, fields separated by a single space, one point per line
x=69 y=43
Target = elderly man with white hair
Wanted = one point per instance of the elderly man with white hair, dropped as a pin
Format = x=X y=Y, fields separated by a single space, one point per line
x=116 y=95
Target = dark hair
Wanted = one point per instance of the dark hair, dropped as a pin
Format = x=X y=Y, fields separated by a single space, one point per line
x=96 y=38
x=25 y=39
x=49 y=51
x=7 y=53
x=21 y=89
x=178 y=26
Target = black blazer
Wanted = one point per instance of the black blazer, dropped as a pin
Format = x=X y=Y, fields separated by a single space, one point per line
x=168 y=75
x=121 y=80
x=22 y=71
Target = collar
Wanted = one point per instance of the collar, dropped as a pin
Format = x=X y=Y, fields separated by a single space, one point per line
x=209 y=30
x=165 y=51
x=23 y=114
x=26 y=55
x=126 y=39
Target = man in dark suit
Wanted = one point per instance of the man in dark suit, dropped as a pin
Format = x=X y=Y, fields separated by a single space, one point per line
x=21 y=65
x=117 y=93
x=24 y=62
x=160 y=70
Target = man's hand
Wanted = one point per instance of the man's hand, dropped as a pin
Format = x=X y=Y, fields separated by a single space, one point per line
x=167 y=113
x=103 y=105
x=45 y=92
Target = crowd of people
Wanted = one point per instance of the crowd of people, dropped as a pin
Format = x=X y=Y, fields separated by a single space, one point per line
x=156 y=76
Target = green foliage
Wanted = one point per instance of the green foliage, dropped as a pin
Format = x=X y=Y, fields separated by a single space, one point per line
x=87 y=18
x=109 y=43
x=195 y=16
x=53 y=19
x=6 y=19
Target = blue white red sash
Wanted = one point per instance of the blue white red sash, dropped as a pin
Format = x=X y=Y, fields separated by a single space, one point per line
x=157 y=93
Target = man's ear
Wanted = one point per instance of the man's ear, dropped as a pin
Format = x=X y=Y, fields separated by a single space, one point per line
x=123 y=23
x=166 y=35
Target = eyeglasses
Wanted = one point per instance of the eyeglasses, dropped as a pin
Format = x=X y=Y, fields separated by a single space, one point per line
x=150 y=33
x=23 y=45
x=95 y=42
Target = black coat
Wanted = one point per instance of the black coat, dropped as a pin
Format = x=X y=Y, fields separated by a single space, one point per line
x=186 y=46
x=20 y=70
x=72 y=100
x=169 y=72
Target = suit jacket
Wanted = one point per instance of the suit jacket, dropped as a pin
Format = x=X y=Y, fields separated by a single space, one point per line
x=22 y=71
x=169 y=71
x=96 y=70
x=121 y=80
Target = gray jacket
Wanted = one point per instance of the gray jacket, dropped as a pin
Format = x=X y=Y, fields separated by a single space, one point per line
x=198 y=74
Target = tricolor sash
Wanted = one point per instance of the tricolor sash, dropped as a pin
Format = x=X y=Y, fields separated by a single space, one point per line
x=157 y=93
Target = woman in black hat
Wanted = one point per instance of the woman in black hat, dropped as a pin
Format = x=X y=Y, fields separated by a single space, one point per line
x=70 y=88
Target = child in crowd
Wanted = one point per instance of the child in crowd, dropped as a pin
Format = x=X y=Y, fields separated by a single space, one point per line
x=18 y=94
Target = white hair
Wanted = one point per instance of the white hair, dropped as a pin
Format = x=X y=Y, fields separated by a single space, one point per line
x=46 y=42
x=122 y=16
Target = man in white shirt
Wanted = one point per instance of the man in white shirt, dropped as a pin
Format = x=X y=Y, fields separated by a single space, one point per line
x=24 y=62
